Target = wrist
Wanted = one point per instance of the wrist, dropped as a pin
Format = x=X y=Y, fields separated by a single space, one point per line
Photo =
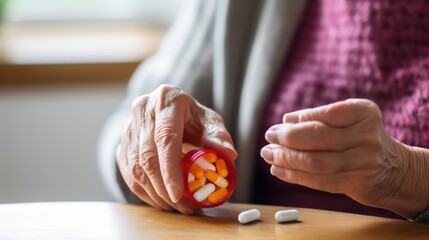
x=409 y=184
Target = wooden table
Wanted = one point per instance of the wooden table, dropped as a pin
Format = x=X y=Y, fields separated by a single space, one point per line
x=100 y=220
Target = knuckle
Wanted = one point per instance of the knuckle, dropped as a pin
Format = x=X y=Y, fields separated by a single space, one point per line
x=138 y=175
x=215 y=132
x=164 y=88
x=139 y=102
x=148 y=158
x=165 y=134
x=313 y=164
x=316 y=164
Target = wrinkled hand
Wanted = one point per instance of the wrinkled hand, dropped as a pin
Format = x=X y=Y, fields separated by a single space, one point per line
x=343 y=148
x=149 y=157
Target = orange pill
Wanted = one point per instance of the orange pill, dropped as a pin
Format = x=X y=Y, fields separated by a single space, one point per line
x=211 y=157
x=221 y=167
x=218 y=195
x=195 y=185
x=216 y=178
x=197 y=171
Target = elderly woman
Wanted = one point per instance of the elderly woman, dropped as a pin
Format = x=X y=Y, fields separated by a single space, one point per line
x=338 y=89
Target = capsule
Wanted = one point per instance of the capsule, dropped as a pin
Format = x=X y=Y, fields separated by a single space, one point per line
x=249 y=216
x=216 y=179
x=187 y=147
x=211 y=157
x=191 y=177
x=218 y=195
x=204 y=164
x=195 y=185
x=197 y=171
x=204 y=192
x=221 y=167
x=287 y=215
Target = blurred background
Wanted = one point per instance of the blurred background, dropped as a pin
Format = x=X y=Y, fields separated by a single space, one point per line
x=64 y=66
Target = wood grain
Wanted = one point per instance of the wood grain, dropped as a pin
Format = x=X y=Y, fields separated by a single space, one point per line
x=99 y=220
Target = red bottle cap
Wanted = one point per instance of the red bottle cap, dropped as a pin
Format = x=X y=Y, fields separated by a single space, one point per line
x=189 y=159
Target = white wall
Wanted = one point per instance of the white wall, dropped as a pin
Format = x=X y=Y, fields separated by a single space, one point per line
x=48 y=139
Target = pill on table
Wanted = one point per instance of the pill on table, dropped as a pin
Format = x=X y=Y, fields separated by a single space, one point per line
x=216 y=179
x=211 y=157
x=187 y=147
x=249 y=216
x=218 y=195
x=287 y=215
x=191 y=177
x=204 y=164
x=204 y=192
x=195 y=185
x=221 y=167
x=196 y=171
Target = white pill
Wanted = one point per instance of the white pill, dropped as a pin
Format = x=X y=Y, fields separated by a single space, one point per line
x=204 y=192
x=287 y=215
x=187 y=147
x=204 y=164
x=191 y=177
x=249 y=216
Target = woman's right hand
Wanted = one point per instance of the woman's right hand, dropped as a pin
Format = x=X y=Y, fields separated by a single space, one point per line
x=149 y=156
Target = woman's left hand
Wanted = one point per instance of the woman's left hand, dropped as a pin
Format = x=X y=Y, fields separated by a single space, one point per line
x=343 y=148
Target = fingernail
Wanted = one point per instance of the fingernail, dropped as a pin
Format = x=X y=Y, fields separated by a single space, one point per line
x=270 y=136
x=275 y=171
x=290 y=118
x=173 y=192
x=228 y=145
x=266 y=153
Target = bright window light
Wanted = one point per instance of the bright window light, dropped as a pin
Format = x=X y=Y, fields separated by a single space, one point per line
x=160 y=12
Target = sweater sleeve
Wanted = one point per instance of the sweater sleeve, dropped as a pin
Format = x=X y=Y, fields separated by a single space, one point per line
x=185 y=60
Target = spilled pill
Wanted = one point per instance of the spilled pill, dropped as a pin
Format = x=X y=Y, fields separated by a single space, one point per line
x=287 y=215
x=249 y=216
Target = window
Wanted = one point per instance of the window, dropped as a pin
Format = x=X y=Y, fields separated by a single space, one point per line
x=80 y=39
x=159 y=12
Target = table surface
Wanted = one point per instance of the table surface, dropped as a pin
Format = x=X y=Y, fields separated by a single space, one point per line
x=102 y=220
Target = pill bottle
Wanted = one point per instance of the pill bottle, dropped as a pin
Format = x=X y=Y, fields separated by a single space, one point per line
x=190 y=158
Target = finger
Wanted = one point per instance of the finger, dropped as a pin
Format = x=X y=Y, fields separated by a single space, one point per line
x=131 y=179
x=215 y=136
x=309 y=161
x=147 y=153
x=339 y=114
x=143 y=180
x=312 y=135
x=168 y=136
x=333 y=183
x=132 y=185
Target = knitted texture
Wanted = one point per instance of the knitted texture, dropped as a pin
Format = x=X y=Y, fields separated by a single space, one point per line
x=378 y=50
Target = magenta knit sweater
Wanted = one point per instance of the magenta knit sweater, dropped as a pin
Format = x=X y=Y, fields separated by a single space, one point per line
x=377 y=50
